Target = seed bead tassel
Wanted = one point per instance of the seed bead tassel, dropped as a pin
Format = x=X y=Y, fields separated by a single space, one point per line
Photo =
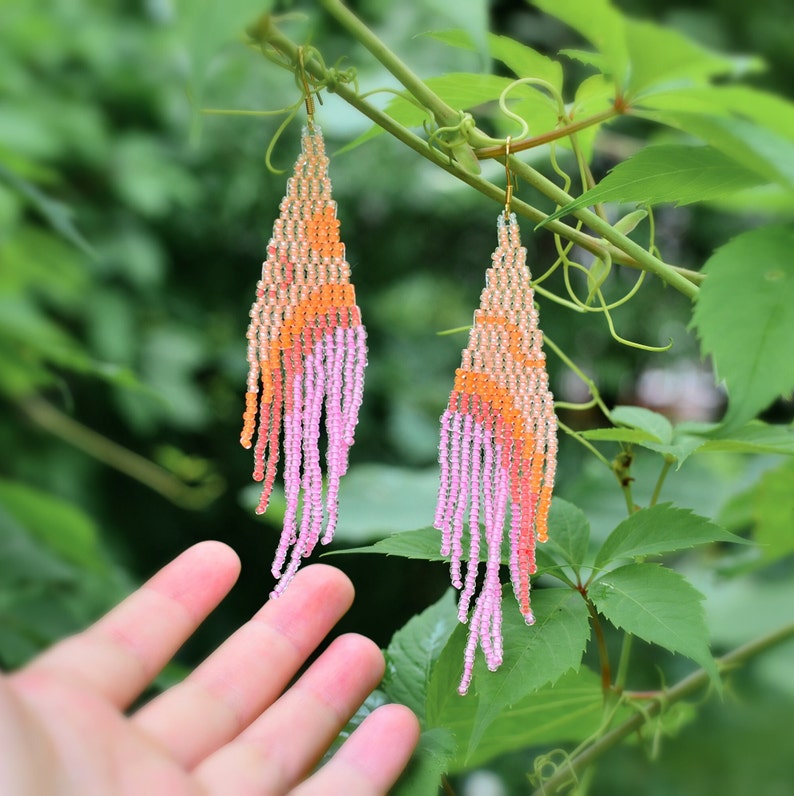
x=497 y=450
x=306 y=358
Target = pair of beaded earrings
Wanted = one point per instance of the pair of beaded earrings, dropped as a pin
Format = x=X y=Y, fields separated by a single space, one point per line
x=307 y=354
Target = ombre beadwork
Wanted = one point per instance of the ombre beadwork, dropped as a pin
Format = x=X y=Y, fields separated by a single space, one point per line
x=306 y=355
x=498 y=449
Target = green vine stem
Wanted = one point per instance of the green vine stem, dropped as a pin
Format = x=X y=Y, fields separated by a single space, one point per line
x=132 y=464
x=498 y=151
x=620 y=248
x=603 y=653
x=444 y=115
x=684 y=688
x=448 y=116
x=669 y=461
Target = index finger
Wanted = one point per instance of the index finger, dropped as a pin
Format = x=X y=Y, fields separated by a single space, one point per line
x=119 y=655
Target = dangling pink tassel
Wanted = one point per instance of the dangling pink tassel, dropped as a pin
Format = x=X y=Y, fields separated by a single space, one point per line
x=306 y=355
x=498 y=449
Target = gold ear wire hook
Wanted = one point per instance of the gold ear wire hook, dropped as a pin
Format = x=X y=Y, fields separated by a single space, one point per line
x=509 y=178
x=308 y=98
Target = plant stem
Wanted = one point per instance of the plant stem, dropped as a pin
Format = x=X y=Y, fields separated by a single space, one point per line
x=288 y=48
x=623 y=662
x=621 y=249
x=443 y=113
x=676 y=693
x=546 y=138
x=621 y=467
x=603 y=654
x=132 y=464
x=589 y=383
x=657 y=491
x=623 y=243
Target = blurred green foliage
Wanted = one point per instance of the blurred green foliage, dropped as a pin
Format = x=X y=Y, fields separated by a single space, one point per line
x=131 y=232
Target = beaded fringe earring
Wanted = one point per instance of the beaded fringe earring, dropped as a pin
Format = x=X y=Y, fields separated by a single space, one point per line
x=498 y=448
x=306 y=355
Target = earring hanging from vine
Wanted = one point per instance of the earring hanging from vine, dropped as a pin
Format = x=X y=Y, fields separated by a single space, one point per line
x=498 y=446
x=306 y=356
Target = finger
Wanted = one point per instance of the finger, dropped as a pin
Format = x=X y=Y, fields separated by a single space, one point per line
x=371 y=760
x=119 y=655
x=250 y=670
x=285 y=743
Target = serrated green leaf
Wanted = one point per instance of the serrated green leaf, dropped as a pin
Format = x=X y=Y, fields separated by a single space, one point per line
x=658 y=605
x=429 y=761
x=533 y=657
x=668 y=173
x=425 y=543
x=659 y=529
x=744 y=317
x=567 y=711
x=413 y=651
x=682 y=447
x=639 y=417
x=751 y=145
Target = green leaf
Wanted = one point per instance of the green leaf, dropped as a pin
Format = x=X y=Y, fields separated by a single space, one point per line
x=374 y=500
x=634 y=436
x=54 y=523
x=771 y=111
x=568 y=711
x=533 y=657
x=773 y=511
x=638 y=417
x=424 y=544
x=755 y=437
x=413 y=651
x=569 y=532
x=745 y=319
x=55 y=213
x=659 y=529
x=599 y=23
x=751 y=145
x=658 y=605
x=660 y=54
x=568 y=536
x=429 y=761
x=24 y=560
x=668 y=173
x=523 y=61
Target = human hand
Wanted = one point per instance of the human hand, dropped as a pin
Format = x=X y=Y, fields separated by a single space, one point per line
x=230 y=727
